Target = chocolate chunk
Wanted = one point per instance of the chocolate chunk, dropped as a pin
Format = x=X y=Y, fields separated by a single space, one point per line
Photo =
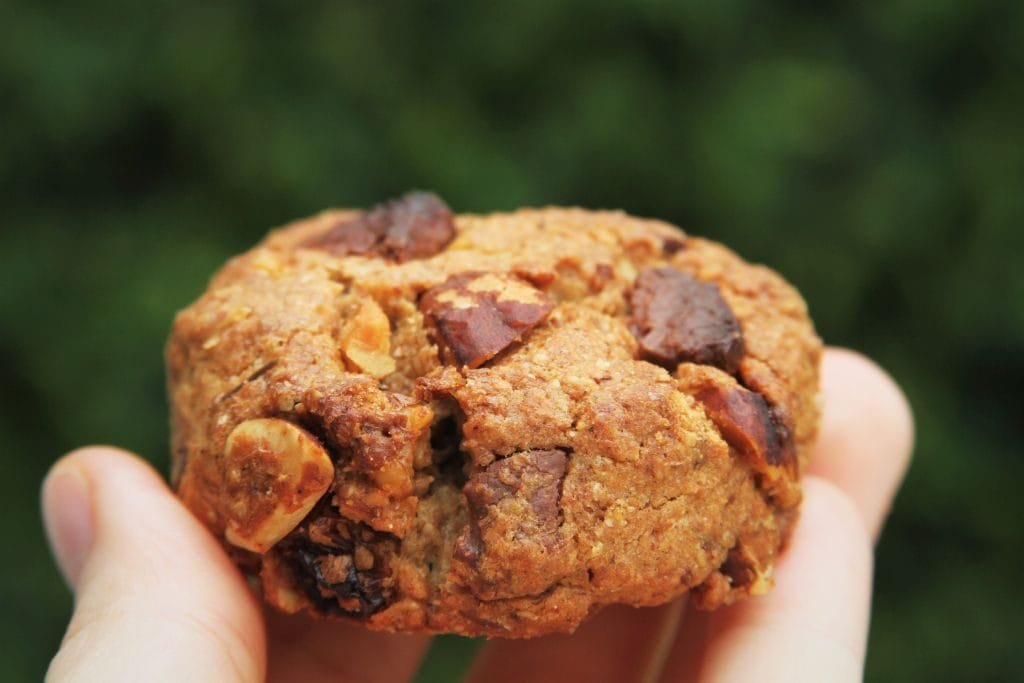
x=740 y=567
x=747 y=423
x=672 y=245
x=480 y=314
x=677 y=318
x=534 y=477
x=536 y=473
x=416 y=225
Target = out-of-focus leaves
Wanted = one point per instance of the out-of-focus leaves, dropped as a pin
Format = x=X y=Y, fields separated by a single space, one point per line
x=872 y=152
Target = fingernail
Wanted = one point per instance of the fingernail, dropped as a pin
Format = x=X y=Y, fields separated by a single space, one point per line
x=67 y=515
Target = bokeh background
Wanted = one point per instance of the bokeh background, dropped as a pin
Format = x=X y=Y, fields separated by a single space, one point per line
x=871 y=151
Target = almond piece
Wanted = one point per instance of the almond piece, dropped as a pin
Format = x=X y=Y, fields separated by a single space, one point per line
x=279 y=584
x=274 y=472
x=366 y=341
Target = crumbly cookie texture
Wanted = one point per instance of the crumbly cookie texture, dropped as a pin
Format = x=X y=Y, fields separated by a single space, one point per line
x=493 y=425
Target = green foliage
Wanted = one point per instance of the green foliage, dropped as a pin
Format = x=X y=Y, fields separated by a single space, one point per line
x=873 y=152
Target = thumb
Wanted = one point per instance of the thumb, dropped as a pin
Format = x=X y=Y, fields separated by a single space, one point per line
x=156 y=599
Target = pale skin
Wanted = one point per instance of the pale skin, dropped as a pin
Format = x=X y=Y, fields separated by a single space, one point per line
x=157 y=599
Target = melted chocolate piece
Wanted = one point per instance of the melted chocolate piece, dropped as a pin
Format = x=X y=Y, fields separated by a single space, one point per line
x=739 y=567
x=748 y=423
x=677 y=318
x=539 y=472
x=414 y=226
x=672 y=245
x=536 y=476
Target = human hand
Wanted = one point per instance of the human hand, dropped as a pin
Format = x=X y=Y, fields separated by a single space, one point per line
x=157 y=599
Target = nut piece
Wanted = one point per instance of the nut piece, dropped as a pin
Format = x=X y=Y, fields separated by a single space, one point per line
x=416 y=225
x=480 y=314
x=677 y=318
x=274 y=474
x=279 y=584
x=366 y=341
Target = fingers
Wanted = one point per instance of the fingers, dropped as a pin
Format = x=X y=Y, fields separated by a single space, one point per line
x=622 y=644
x=811 y=627
x=867 y=434
x=303 y=650
x=155 y=597
x=823 y=580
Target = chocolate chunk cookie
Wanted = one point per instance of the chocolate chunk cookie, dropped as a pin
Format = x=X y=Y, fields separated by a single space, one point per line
x=493 y=425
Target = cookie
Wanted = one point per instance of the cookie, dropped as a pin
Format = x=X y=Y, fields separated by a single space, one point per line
x=493 y=425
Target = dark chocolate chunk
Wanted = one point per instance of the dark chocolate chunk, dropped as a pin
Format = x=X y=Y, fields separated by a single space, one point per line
x=677 y=318
x=536 y=477
x=739 y=567
x=416 y=225
x=480 y=314
x=748 y=423
x=672 y=245
x=538 y=472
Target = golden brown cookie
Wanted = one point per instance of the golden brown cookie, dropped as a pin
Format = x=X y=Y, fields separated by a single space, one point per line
x=493 y=425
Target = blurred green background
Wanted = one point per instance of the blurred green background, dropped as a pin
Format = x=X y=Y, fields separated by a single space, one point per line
x=872 y=151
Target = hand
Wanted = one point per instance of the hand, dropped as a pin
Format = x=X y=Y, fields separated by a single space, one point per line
x=157 y=599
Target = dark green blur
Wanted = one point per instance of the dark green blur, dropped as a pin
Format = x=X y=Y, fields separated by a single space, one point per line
x=873 y=152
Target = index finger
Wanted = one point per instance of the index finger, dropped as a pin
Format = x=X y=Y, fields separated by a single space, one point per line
x=867 y=434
